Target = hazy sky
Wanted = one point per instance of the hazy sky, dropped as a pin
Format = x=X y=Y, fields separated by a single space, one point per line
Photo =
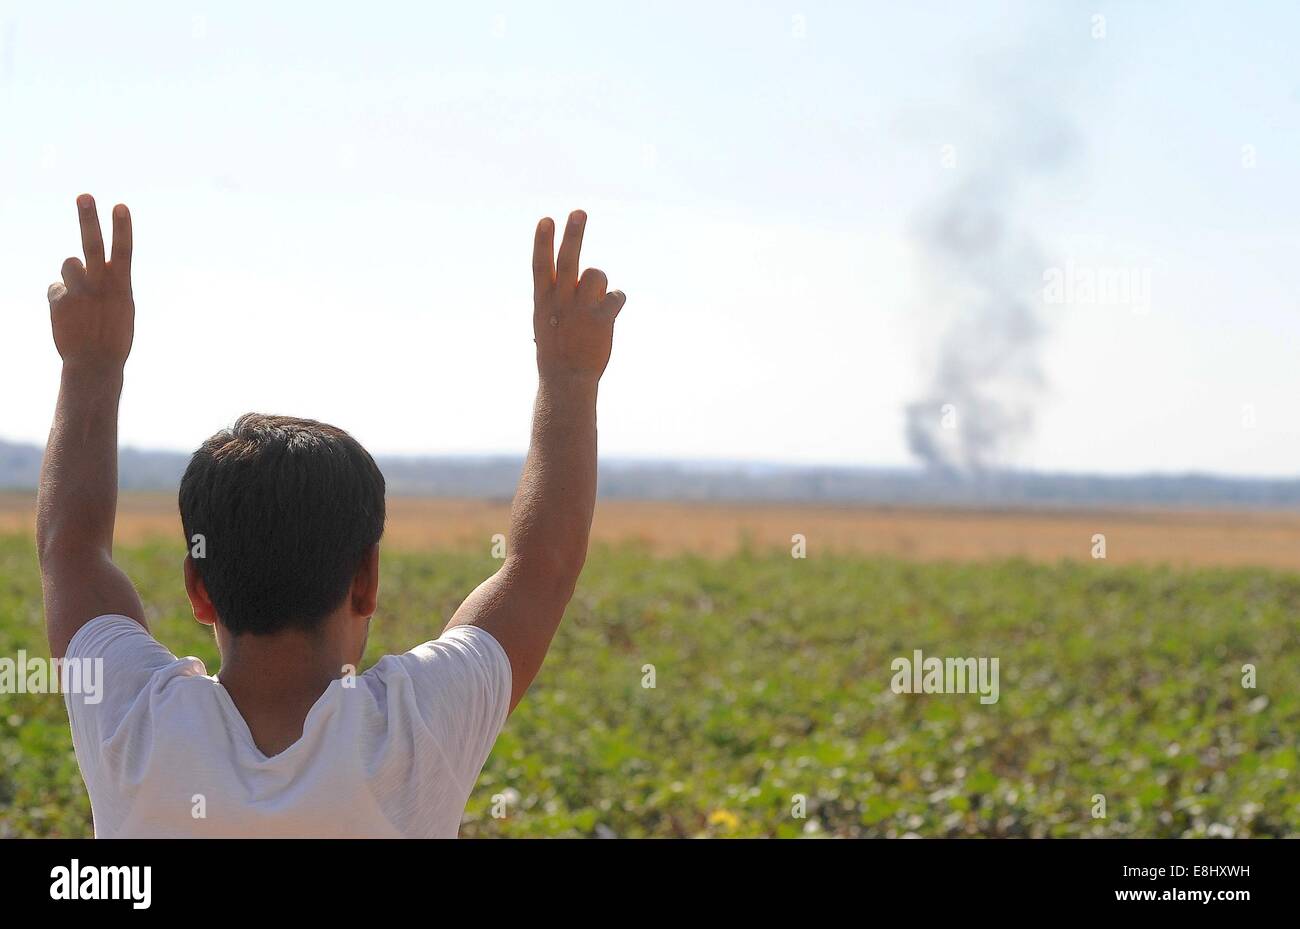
x=334 y=207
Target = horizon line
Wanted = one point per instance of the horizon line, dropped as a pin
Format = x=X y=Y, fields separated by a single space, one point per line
x=787 y=465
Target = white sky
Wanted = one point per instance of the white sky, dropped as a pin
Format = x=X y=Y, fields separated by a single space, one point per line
x=334 y=208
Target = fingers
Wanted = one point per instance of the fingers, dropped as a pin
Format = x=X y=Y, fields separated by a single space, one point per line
x=544 y=256
x=610 y=307
x=591 y=288
x=564 y=270
x=92 y=239
x=122 y=237
x=74 y=275
x=566 y=265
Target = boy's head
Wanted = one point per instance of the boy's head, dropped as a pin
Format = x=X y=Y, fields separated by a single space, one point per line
x=280 y=515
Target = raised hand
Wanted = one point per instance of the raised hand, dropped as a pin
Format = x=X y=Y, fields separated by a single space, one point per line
x=92 y=310
x=550 y=520
x=93 y=317
x=573 y=318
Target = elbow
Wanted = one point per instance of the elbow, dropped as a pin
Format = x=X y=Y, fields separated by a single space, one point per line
x=53 y=546
x=51 y=535
x=553 y=573
x=46 y=543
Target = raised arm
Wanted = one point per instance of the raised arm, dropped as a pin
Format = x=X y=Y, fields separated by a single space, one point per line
x=93 y=316
x=550 y=521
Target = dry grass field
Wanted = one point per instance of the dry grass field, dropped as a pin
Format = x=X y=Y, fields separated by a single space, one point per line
x=1172 y=537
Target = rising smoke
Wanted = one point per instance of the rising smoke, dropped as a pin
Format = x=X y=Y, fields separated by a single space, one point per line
x=981 y=259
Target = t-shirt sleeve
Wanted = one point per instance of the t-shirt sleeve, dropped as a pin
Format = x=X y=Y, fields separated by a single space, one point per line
x=461 y=683
x=109 y=663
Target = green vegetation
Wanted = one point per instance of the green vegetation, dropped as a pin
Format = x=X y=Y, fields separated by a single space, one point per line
x=772 y=680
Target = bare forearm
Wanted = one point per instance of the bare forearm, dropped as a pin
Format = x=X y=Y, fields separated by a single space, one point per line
x=77 y=501
x=552 y=511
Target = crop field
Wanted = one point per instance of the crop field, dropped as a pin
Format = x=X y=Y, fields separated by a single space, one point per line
x=1121 y=711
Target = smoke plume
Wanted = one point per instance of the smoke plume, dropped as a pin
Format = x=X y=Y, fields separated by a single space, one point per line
x=981 y=260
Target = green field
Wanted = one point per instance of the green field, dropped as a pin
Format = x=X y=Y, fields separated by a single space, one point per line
x=772 y=682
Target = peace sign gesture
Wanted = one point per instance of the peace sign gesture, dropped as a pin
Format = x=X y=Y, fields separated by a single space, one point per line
x=573 y=317
x=92 y=310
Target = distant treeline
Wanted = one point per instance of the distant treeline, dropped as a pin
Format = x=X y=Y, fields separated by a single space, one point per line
x=495 y=477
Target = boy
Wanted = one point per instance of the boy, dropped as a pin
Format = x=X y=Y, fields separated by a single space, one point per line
x=283 y=517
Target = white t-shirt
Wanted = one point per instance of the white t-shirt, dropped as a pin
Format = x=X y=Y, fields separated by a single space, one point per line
x=165 y=753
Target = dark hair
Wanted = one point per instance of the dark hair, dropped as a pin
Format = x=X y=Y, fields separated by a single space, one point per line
x=288 y=509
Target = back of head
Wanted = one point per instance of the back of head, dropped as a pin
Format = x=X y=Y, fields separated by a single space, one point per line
x=287 y=509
